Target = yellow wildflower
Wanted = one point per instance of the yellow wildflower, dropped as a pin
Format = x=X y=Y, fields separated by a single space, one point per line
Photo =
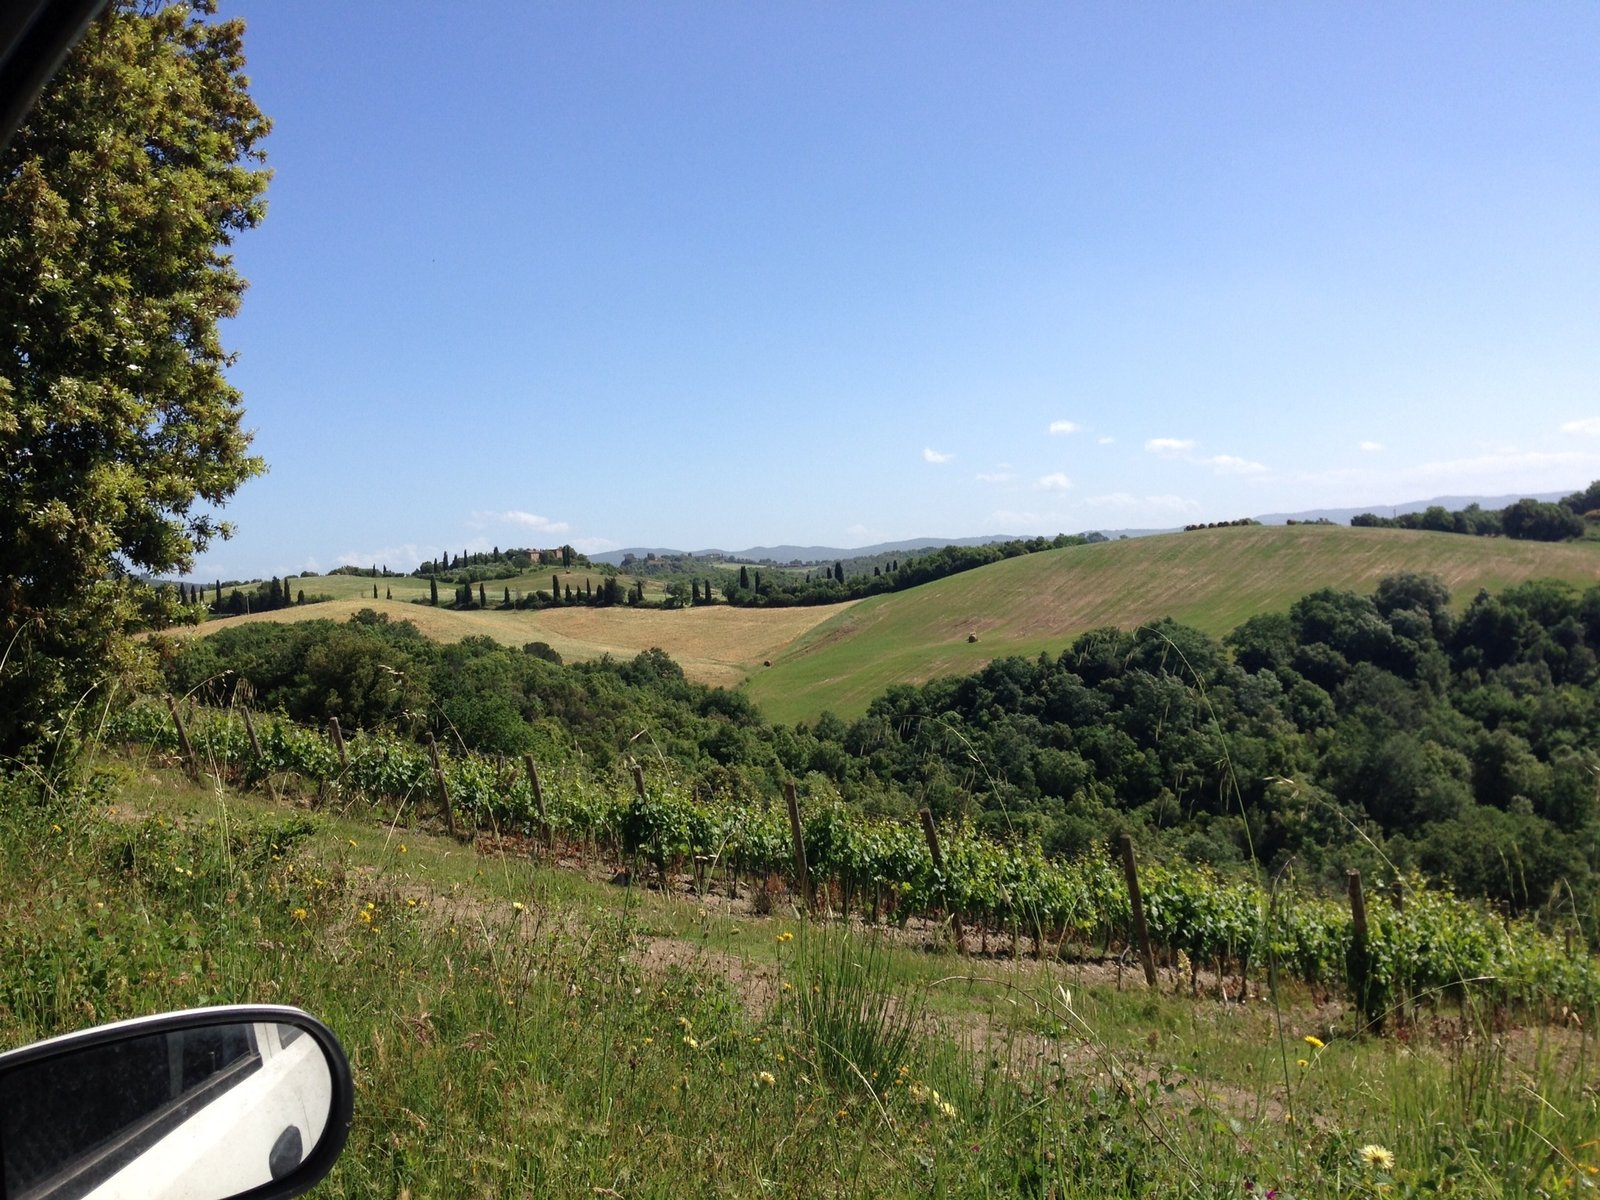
x=403 y=848
x=785 y=936
x=1374 y=1155
x=946 y=1109
x=1301 y=1062
x=766 y=1077
x=352 y=841
x=649 y=1041
x=365 y=915
x=1313 y=1041
x=691 y=1042
x=299 y=914
x=516 y=905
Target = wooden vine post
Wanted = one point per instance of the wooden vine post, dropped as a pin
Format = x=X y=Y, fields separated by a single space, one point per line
x=338 y=742
x=185 y=747
x=1358 y=964
x=931 y=832
x=538 y=802
x=250 y=729
x=802 y=876
x=1141 y=930
x=444 y=792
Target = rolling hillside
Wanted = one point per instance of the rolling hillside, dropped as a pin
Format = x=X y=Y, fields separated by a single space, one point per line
x=1210 y=579
x=720 y=646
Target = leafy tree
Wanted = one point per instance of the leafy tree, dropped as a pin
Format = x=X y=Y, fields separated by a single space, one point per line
x=119 y=431
x=1533 y=521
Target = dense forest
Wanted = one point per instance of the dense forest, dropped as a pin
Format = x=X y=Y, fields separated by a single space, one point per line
x=1348 y=727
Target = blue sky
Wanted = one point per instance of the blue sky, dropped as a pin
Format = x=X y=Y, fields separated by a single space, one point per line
x=716 y=274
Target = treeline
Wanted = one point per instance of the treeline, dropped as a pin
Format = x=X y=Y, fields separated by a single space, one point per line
x=612 y=591
x=475 y=567
x=1527 y=519
x=1237 y=523
x=234 y=600
x=754 y=588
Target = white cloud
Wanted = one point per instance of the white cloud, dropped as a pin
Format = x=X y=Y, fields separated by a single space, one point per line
x=936 y=456
x=1228 y=464
x=1170 y=447
x=1065 y=427
x=593 y=545
x=525 y=520
x=1018 y=520
x=1373 y=447
x=1153 y=505
x=994 y=476
x=1508 y=470
x=1106 y=440
x=1182 y=450
x=1056 y=481
x=1588 y=425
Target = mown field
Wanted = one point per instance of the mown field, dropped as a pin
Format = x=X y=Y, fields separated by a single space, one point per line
x=410 y=587
x=1210 y=579
x=719 y=645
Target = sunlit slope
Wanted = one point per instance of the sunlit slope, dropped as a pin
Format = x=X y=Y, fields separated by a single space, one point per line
x=716 y=645
x=1210 y=579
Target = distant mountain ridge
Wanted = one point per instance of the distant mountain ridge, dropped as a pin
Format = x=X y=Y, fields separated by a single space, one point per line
x=817 y=554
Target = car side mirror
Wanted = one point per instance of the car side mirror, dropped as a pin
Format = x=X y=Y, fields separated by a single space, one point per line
x=246 y=1102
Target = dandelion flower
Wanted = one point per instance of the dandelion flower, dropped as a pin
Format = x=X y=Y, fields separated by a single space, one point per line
x=1301 y=1062
x=299 y=914
x=1313 y=1041
x=785 y=936
x=516 y=905
x=691 y=1042
x=365 y=915
x=767 y=1077
x=649 y=1041
x=403 y=848
x=1376 y=1156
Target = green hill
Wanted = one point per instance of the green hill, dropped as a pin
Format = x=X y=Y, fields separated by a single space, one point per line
x=1211 y=579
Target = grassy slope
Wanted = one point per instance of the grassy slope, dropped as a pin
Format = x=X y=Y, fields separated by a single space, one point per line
x=718 y=645
x=1210 y=579
x=518 y=1030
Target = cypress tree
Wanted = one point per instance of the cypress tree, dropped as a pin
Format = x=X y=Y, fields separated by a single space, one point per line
x=758 y=583
x=388 y=593
x=374 y=591
x=302 y=598
x=744 y=578
x=483 y=597
x=569 y=593
x=433 y=590
x=219 y=594
x=555 y=587
x=506 y=599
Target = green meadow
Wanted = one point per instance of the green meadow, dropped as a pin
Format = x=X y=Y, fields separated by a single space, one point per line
x=1210 y=579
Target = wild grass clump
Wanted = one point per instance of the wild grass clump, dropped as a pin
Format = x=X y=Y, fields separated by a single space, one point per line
x=856 y=1019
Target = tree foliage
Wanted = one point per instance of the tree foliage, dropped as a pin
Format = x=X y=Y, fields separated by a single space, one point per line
x=119 y=431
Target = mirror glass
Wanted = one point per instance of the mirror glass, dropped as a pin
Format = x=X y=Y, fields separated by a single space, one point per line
x=199 y=1113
